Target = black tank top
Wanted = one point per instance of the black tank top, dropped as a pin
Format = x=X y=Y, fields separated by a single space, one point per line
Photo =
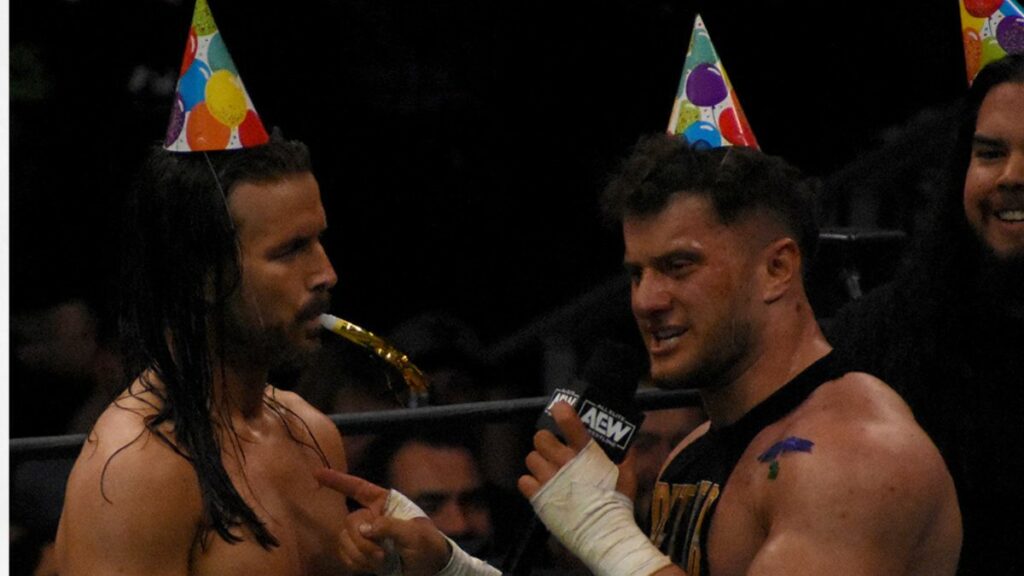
x=687 y=492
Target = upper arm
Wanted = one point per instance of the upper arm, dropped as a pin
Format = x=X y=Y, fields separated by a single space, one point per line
x=873 y=499
x=134 y=512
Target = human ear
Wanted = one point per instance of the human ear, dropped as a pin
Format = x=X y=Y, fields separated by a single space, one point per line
x=780 y=267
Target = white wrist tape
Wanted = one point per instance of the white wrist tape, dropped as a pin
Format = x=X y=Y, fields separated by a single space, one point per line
x=459 y=563
x=581 y=508
x=462 y=564
x=400 y=507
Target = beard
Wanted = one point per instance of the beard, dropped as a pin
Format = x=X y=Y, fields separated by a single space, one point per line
x=284 y=348
x=719 y=358
x=1000 y=278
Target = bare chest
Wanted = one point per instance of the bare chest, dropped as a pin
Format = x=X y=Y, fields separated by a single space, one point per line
x=305 y=518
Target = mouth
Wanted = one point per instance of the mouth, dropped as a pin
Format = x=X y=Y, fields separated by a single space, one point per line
x=1012 y=216
x=662 y=340
x=310 y=313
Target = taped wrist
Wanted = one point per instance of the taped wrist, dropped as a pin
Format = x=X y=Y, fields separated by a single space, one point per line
x=462 y=564
x=397 y=506
x=459 y=562
x=581 y=508
x=400 y=507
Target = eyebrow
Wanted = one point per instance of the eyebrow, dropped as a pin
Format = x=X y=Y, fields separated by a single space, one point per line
x=987 y=140
x=664 y=259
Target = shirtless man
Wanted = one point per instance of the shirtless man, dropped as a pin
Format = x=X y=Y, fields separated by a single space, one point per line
x=803 y=467
x=199 y=466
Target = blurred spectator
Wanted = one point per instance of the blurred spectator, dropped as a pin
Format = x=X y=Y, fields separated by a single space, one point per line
x=449 y=352
x=64 y=372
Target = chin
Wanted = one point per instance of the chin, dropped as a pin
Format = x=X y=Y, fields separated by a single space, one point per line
x=669 y=377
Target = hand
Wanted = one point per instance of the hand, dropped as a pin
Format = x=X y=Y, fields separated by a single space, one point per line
x=575 y=489
x=362 y=544
x=550 y=454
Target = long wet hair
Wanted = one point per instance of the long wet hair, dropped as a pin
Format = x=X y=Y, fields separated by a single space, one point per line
x=180 y=265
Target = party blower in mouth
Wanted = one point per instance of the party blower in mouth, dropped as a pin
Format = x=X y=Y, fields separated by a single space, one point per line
x=413 y=376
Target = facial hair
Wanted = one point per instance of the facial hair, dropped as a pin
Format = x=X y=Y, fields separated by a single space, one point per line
x=722 y=351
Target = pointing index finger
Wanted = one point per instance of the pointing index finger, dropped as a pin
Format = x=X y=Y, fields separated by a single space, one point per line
x=362 y=491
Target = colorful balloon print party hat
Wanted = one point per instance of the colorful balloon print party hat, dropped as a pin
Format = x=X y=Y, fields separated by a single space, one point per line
x=707 y=112
x=211 y=110
x=991 y=30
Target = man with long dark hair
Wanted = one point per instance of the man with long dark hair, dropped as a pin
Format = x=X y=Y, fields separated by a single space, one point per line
x=200 y=466
x=948 y=332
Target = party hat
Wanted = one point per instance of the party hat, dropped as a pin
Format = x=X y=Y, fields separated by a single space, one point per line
x=991 y=29
x=707 y=112
x=212 y=110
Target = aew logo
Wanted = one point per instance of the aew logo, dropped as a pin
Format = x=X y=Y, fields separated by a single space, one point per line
x=570 y=397
x=606 y=425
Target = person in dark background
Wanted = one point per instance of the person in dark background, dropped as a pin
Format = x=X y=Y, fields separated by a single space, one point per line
x=948 y=331
x=449 y=352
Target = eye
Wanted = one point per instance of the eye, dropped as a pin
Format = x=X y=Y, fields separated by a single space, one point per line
x=291 y=249
x=988 y=153
x=430 y=503
x=678 y=266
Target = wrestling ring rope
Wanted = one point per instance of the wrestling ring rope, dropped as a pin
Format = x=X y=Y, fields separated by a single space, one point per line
x=50 y=447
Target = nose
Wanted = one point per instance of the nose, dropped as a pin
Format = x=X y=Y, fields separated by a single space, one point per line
x=451 y=519
x=323 y=277
x=1012 y=176
x=649 y=294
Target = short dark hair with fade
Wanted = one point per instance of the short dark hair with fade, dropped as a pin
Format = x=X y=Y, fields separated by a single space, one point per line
x=738 y=181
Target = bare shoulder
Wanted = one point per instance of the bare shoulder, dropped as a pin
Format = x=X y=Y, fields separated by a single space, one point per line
x=864 y=434
x=122 y=438
x=851 y=471
x=129 y=484
x=319 y=425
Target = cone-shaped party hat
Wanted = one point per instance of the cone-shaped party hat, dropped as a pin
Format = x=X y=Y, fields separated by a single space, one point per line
x=707 y=112
x=991 y=29
x=212 y=110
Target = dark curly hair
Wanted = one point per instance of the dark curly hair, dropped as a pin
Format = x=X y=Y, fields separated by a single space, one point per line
x=736 y=180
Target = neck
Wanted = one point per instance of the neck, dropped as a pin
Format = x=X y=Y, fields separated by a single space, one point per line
x=785 y=349
x=238 y=389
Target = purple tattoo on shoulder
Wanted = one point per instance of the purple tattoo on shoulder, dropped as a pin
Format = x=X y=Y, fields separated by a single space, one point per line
x=791 y=444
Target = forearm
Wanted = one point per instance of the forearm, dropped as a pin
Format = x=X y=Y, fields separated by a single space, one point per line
x=458 y=563
x=581 y=507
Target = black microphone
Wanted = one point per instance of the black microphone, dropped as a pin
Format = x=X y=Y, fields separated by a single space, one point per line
x=604 y=400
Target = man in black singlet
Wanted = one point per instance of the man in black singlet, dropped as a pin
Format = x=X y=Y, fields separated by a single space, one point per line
x=803 y=467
